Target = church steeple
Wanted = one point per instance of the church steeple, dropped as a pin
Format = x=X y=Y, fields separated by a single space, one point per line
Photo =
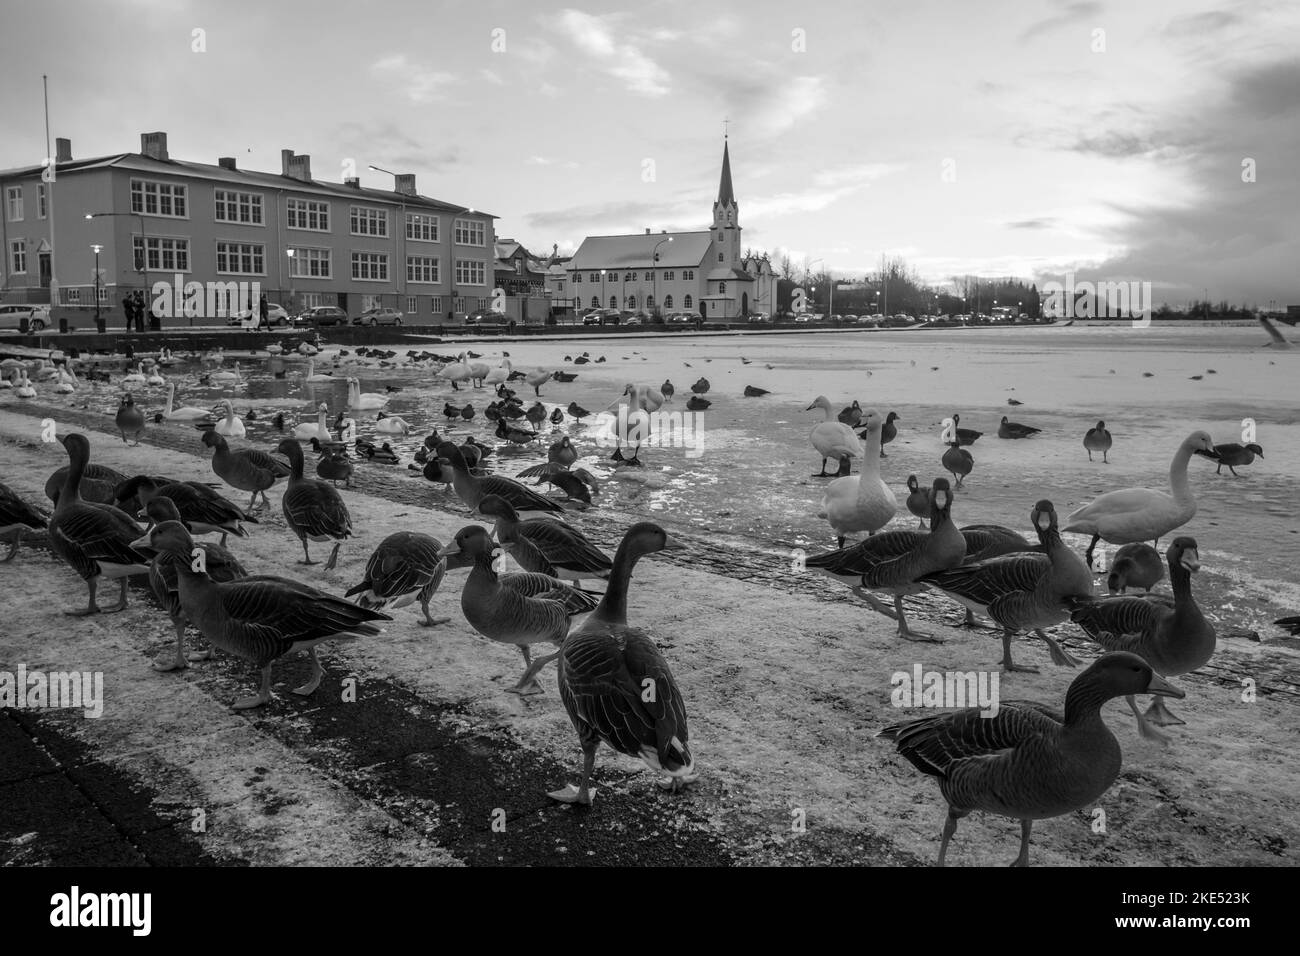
x=725 y=194
x=726 y=212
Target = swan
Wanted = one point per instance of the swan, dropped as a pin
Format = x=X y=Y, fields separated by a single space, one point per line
x=456 y=372
x=537 y=378
x=832 y=438
x=67 y=382
x=479 y=371
x=861 y=502
x=4 y=382
x=364 y=400
x=155 y=378
x=230 y=426
x=311 y=375
x=24 y=389
x=306 y=431
x=185 y=413
x=1142 y=514
x=499 y=375
x=134 y=377
x=391 y=425
x=305 y=348
x=228 y=376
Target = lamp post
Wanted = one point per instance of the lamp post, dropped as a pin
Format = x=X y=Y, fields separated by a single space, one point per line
x=96 y=248
x=830 y=302
x=144 y=243
x=654 y=274
x=603 y=303
x=401 y=290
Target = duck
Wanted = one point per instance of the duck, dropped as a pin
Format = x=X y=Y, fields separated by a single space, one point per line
x=510 y=615
x=958 y=462
x=335 y=466
x=219 y=563
x=311 y=375
x=1136 y=565
x=383 y=455
x=364 y=401
x=129 y=420
x=93 y=539
x=1010 y=429
x=897 y=561
x=697 y=404
x=1142 y=514
x=918 y=500
x=753 y=391
x=305 y=431
x=577 y=411
x=248 y=469
x=467 y=413
x=1028 y=761
x=701 y=386
x=565 y=376
x=436 y=471
x=1233 y=454
x=472 y=489
x=1098 y=438
x=667 y=390
x=831 y=438
x=260 y=618
x=405 y=568
x=517 y=436
x=230 y=426
x=199 y=506
x=578 y=485
x=450 y=410
x=862 y=502
x=604 y=669
x=964 y=436
x=536 y=414
x=537 y=378
x=392 y=425
x=545 y=545
x=557 y=415
x=888 y=432
x=312 y=508
x=1174 y=639
x=1024 y=592
x=17 y=516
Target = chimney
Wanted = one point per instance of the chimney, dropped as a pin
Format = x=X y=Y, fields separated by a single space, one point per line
x=154 y=145
x=404 y=183
x=353 y=181
x=295 y=167
x=62 y=150
x=226 y=162
x=647 y=230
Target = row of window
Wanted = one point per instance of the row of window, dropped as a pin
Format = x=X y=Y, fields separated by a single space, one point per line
x=631 y=300
x=78 y=295
x=688 y=275
x=14 y=203
x=460 y=303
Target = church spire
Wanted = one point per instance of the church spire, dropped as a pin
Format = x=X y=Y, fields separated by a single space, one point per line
x=725 y=194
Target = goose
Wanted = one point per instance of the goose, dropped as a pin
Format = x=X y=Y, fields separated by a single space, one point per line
x=404 y=568
x=1024 y=592
x=260 y=618
x=183 y=413
x=560 y=453
x=1173 y=638
x=701 y=386
x=578 y=485
x=499 y=375
x=667 y=390
x=201 y=508
x=98 y=483
x=230 y=426
x=93 y=539
x=248 y=469
x=311 y=375
x=604 y=670
x=24 y=387
x=577 y=411
x=312 y=508
x=305 y=431
x=889 y=432
x=129 y=420
x=1142 y=514
x=471 y=489
x=335 y=466
x=537 y=378
x=134 y=377
x=219 y=563
x=364 y=401
x=391 y=425
x=964 y=436
x=851 y=415
x=1028 y=761
x=508 y=615
x=1136 y=565
x=958 y=462
x=544 y=545
x=918 y=500
x=1010 y=429
x=16 y=515
x=987 y=541
x=227 y=376
x=1231 y=454
x=896 y=561
x=831 y=438
x=1098 y=439
x=455 y=372
x=860 y=502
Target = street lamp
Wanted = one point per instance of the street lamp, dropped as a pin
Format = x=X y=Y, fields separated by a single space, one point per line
x=290 y=252
x=144 y=244
x=654 y=274
x=96 y=248
x=401 y=292
x=603 y=303
x=830 y=302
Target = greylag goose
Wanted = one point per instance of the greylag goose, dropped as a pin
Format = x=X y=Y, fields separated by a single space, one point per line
x=406 y=567
x=1136 y=565
x=93 y=539
x=16 y=515
x=964 y=436
x=888 y=432
x=545 y=545
x=98 y=484
x=259 y=618
x=958 y=462
x=863 y=502
x=1174 y=639
x=129 y=420
x=1233 y=455
x=312 y=508
x=918 y=500
x=472 y=489
x=202 y=509
x=986 y=541
x=1010 y=429
x=1028 y=761
x=561 y=453
x=248 y=469
x=1098 y=439
x=895 y=561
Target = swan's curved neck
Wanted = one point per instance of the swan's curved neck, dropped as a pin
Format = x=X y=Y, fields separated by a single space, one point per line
x=1178 y=480
x=171 y=397
x=830 y=415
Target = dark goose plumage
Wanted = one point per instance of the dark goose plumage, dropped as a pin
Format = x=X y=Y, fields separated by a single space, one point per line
x=404 y=568
x=203 y=510
x=472 y=489
x=248 y=469
x=545 y=545
x=15 y=516
x=312 y=508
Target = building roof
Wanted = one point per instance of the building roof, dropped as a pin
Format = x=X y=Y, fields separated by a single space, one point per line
x=726 y=275
x=687 y=250
x=725 y=193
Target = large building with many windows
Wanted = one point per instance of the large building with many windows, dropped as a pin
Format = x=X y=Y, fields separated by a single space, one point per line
x=303 y=240
x=704 y=273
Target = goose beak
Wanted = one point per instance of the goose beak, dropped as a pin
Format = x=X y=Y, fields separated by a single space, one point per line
x=672 y=544
x=1162 y=688
x=450 y=550
x=1191 y=560
x=143 y=546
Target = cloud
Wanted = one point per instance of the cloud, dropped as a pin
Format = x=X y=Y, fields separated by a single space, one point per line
x=421 y=85
x=492 y=77
x=622 y=60
x=397 y=149
x=1199 y=24
x=1046 y=222
x=1072 y=13
x=768 y=108
x=550 y=161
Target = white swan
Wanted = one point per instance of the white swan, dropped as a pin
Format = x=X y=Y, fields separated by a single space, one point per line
x=185 y=413
x=1142 y=514
x=227 y=376
x=67 y=381
x=391 y=425
x=24 y=389
x=230 y=426
x=305 y=348
x=648 y=397
x=166 y=359
x=134 y=377
x=155 y=378
x=499 y=375
x=537 y=378
x=862 y=502
x=832 y=438
x=364 y=400
x=305 y=431
x=455 y=372
x=311 y=375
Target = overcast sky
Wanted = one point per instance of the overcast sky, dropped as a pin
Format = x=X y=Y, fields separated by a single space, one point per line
x=994 y=138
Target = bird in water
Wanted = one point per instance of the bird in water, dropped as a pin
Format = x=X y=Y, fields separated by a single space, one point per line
x=129 y=420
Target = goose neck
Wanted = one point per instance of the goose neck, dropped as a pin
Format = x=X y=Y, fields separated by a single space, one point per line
x=613 y=606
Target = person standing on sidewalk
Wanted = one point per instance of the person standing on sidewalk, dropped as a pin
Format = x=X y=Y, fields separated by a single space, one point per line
x=139 y=311
x=128 y=310
x=263 y=312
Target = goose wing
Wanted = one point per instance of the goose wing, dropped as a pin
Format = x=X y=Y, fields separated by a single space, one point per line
x=860 y=558
x=99 y=532
x=520 y=497
x=14 y=510
x=315 y=508
x=985 y=582
x=268 y=615
x=198 y=503
x=565 y=546
x=1123 y=623
x=534 y=584
x=267 y=462
x=939 y=744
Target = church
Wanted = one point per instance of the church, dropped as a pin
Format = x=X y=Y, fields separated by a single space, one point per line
x=703 y=273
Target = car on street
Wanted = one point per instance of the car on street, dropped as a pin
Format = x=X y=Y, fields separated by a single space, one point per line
x=682 y=318
x=603 y=317
x=486 y=318
x=276 y=314
x=380 y=316
x=323 y=316
x=36 y=314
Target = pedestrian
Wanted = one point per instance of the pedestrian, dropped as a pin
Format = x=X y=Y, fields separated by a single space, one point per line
x=263 y=312
x=139 y=310
x=128 y=310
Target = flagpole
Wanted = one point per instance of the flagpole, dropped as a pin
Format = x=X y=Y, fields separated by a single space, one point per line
x=49 y=199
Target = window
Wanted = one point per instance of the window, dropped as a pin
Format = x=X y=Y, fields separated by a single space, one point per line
x=720 y=258
x=238 y=207
x=458 y=304
x=649 y=276
x=469 y=232
x=159 y=199
x=686 y=302
x=631 y=302
x=306 y=214
x=688 y=275
x=595 y=277
x=613 y=302
x=436 y=305
x=668 y=276
x=722 y=287
x=102 y=293
x=629 y=277
x=668 y=302
x=313 y=300
x=370 y=301
x=368 y=221
x=519 y=267
x=71 y=295
x=308 y=263
x=239 y=258
x=649 y=302
x=14 y=204
x=165 y=255
x=41 y=209
x=577 y=277
x=18 y=256
x=370 y=267
x=422 y=228
x=595 y=303
x=470 y=272
x=412 y=306
x=423 y=269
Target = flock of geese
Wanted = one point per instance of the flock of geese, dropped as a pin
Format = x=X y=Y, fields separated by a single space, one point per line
x=1028 y=762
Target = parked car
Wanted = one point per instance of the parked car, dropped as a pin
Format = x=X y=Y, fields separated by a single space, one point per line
x=759 y=318
x=488 y=318
x=603 y=317
x=380 y=316
x=683 y=318
x=276 y=314
x=12 y=314
x=323 y=316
